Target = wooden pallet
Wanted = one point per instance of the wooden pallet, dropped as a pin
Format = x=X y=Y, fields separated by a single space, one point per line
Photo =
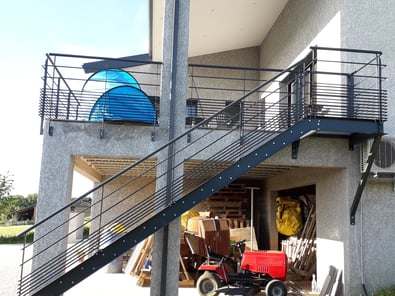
x=229 y=202
x=304 y=257
x=139 y=256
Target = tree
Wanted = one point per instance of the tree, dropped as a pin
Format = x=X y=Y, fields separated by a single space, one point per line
x=6 y=185
x=10 y=205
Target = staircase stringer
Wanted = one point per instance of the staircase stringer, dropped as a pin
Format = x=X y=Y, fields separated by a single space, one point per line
x=176 y=209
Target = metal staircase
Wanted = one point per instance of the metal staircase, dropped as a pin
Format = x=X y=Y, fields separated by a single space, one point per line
x=297 y=102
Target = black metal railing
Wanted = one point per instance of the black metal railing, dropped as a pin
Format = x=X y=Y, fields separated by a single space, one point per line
x=225 y=134
x=82 y=88
x=71 y=92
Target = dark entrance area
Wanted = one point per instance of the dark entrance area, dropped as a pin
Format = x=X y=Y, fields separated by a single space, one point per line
x=300 y=246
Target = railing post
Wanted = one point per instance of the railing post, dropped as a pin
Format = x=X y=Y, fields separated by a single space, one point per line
x=57 y=100
x=23 y=263
x=312 y=76
x=380 y=88
x=68 y=106
x=100 y=218
x=298 y=96
x=44 y=97
x=350 y=96
x=241 y=119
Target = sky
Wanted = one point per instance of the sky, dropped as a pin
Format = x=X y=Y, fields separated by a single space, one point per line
x=30 y=29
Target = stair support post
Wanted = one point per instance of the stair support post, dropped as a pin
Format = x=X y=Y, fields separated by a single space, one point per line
x=364 y=179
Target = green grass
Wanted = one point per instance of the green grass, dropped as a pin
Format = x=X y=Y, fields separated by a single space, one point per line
x=8 y=234
x=386 y=292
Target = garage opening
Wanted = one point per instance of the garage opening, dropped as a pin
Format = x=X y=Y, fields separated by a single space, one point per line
x=296 y=226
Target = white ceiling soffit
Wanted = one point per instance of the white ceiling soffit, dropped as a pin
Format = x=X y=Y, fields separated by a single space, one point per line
x=220 y=25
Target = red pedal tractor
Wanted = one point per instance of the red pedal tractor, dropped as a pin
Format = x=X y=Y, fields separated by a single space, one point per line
x=255 y=271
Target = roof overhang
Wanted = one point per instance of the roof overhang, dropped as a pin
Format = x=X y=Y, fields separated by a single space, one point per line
x=219 y=25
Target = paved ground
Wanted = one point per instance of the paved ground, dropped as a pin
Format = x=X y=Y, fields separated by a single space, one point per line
x=99 y=284
x=10 y=259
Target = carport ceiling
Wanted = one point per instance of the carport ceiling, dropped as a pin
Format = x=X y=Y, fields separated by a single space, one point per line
x=220 y=25
x=106 y=166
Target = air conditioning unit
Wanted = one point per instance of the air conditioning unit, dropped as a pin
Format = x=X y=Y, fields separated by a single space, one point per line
x=384 y=160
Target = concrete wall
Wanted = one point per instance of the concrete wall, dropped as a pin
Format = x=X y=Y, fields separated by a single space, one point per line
x=370 y=24
x=120 y=196
x=239 y=81
x=301 y=24
x=325 y=163
x=71 y=139
x=362 y=24
x=244 y=57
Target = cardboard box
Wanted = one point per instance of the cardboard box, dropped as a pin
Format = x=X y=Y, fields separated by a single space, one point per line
x=215 y=233
x=193 y=224
x=237 y=234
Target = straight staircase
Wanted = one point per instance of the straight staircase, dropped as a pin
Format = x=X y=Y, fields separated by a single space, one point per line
x=204 y=160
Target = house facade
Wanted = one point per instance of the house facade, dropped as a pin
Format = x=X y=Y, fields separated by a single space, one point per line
x=212 y=57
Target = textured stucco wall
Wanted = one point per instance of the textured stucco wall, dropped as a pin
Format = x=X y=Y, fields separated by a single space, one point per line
x=325 y=163
x=300 y=25
x=375 y=237
x=240 y=81
x=71 y=139
x=362 y=24
x=370 y=24
x=244 y=57
x=118 y=199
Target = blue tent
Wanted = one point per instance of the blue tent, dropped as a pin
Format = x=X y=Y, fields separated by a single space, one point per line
x=124 y=103
x=103 y=80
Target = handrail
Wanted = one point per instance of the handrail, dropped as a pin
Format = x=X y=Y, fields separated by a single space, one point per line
x=61 y=76
x=354 y=50
x=124 y=59
x=198 y=125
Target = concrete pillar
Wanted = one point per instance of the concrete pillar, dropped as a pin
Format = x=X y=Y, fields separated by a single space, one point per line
x=75 y=228
x=55 y=189
x=166 y=247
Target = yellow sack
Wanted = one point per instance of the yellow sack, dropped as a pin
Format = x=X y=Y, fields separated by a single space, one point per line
x=288 y=216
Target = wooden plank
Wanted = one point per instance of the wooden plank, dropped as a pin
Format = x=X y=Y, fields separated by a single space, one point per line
x=142 y=257
x=187 y=284
x=184 y=270
x=144 y=279
x=134 y=257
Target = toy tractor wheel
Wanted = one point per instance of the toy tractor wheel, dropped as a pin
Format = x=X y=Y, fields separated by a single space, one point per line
x=207 y=284
x=276 y=288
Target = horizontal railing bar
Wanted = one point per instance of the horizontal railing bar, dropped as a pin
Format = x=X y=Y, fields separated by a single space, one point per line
x=347 y=50
x=104 y=58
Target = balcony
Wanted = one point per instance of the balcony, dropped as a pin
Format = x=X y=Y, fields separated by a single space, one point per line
x=90 y=89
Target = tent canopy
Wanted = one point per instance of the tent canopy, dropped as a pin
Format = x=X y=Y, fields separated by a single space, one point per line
x=124 y=103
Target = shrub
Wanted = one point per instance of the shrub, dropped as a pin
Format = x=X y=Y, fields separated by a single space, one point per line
x=15 y=240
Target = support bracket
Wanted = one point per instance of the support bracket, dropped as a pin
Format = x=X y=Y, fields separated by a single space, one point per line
x=364 y=178
x=295 y=149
